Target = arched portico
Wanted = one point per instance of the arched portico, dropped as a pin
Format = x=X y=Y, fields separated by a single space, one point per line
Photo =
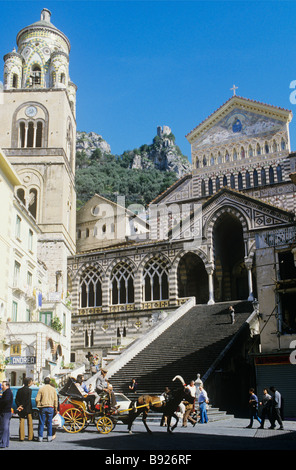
x=231 y=281
x=192 y=278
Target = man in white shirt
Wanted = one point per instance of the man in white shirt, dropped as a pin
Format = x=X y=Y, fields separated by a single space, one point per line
x=202 y=402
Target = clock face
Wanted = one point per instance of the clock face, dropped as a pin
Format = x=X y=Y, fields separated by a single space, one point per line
x=31 y=111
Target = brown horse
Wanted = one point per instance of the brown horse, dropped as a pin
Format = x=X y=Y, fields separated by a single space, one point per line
x=153 y=402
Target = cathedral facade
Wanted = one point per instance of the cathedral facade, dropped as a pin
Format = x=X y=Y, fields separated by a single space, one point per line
x=205 y=237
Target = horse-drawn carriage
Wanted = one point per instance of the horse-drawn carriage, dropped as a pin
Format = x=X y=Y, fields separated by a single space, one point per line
x=77 y=415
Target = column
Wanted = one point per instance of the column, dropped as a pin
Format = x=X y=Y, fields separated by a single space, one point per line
x=210 y=271
x=249 y=264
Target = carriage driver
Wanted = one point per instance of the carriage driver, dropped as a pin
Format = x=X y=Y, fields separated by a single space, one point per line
x=103 y=388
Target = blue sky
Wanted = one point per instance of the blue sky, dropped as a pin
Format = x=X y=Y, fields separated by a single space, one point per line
x=141 y=64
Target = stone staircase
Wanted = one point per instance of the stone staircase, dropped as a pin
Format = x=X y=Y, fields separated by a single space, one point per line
x=190 y=346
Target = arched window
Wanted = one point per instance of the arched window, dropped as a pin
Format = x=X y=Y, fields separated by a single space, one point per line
x=263 y=177
x=258 y=149
x=210 y=187
x=250 y=151
x=15 y=81
x=156 y=279
x=224 y=180
x=274 y=146
x=33 y=196
x=219 y=158
x=242 y=152
x=266 y=147
x=212 y=160
x=31 y=134
x=255 y=178
x=39 y=132
x=21 y=195
x=248 y=180
x=203 y=188
x=122 y=284
x=271 y=175
x=217 y=183
x=90 y=289
x=204 y=161
x=279 y=173
x=234 y=154
x=227 y=156
x=232 y=181
x=36 y=75
x=283 y=144
x=240 y=181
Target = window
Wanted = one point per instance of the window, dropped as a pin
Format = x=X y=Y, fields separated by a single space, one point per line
x=36 y=76
x=279 y=173
x=28 y=314
x=263 y=177
x=29 y=279
x=18 y=227
x=156 y=279
x=255 y=178
x=30 y=240
x=90 y=289
x=122 y=284
x=46 y=317
x=30 y=134
x=271 y=175
x=14 y=311
x=16 y=273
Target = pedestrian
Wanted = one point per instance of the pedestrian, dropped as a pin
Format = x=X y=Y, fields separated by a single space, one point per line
x=47 y=402
x=253 y=407
x=276 y=407
x=23 y=402
x=6 y=401
x=133 y=385
x=203 y=400
x=232 y=314
x=266 y=407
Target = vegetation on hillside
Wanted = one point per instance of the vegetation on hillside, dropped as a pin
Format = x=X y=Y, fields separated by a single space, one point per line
x=112 y=176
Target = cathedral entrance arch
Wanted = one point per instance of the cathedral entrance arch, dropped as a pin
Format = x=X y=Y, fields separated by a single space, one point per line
x=193 y=278
x=231 y=277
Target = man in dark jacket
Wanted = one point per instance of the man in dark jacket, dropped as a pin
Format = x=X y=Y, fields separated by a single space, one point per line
x=5 y=414
x=23 y=402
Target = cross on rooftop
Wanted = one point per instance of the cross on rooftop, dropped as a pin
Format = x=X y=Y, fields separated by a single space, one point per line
x=234 y=88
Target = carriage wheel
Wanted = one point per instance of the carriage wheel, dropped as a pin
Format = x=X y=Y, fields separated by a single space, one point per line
x=74 y=420
x=104 y=425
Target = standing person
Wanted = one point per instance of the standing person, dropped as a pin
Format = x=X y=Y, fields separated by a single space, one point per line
x=276 y=408
x=6 y=401
x=133 y=385
x=266 y=407
x=202 y=402
x=232 y=314
x=253 y=406
x=47 y=402
x=23 y=402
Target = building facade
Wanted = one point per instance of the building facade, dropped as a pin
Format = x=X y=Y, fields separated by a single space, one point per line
x=204 y=235
x=38 y=112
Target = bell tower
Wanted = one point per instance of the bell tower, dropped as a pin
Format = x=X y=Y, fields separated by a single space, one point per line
x=39 y=138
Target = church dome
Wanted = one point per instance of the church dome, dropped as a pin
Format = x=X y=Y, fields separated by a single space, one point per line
x=43 y=28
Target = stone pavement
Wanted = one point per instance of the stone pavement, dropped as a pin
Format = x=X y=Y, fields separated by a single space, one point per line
x=226 y=434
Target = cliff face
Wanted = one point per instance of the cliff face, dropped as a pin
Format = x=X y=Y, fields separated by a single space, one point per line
x=89 y=142
x=162 y=154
